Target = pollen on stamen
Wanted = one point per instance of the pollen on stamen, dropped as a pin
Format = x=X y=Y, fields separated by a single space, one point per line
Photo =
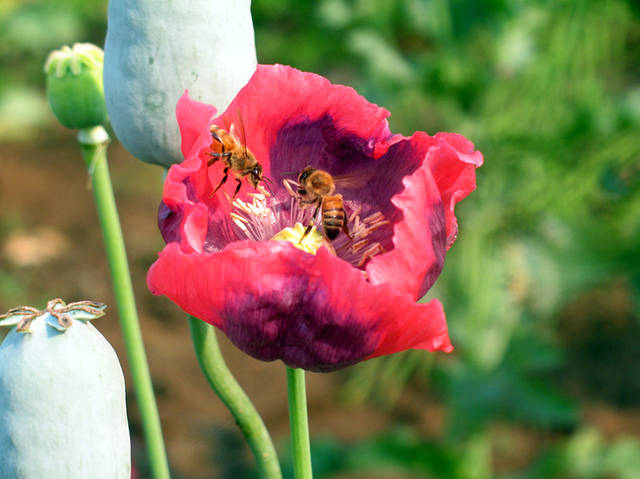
x=262 y=191
x=355 y=214
x=373 y=218
x=239 y=221
x=374 y=249
x=358 y=245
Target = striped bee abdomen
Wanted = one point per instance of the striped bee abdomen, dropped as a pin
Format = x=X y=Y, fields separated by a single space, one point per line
x=333 y=216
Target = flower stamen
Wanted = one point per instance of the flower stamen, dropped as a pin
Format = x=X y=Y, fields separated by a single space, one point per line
x=287 y=185
x=373 y=218
x=240 y=221
x=374 y=249
x=355 y=213
x=357 y=246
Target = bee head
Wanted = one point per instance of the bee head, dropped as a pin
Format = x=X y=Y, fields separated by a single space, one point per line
x=255 y=175
x=304 y=174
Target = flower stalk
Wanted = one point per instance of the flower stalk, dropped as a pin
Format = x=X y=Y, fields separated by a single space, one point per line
x=221 y=380
x=299 y=423
x=94 y=142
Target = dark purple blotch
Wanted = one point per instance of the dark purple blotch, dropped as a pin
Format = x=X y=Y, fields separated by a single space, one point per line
x=298 y=326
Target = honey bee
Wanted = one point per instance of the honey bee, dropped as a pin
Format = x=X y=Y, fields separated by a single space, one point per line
x=317 y=187
x=236 y=157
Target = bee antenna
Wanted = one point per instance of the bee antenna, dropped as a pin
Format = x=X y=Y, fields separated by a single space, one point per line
x=267 y=183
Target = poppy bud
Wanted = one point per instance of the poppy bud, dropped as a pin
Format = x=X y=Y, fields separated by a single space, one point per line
x=62 y=396
x=74 y=85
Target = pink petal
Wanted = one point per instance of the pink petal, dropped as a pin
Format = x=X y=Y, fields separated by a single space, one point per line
x=418 y=251
x=453 y=163
x=277 y=302
x=194 y=119
x=279 y=96
x=418 y=326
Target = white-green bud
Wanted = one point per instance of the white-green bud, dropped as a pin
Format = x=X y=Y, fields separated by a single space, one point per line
x=62 y=397
x=74 y=85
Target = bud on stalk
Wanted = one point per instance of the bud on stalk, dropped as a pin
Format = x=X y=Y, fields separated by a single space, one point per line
x=74 y=85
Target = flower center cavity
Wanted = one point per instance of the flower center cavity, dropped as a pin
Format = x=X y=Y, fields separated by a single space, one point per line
x=283 y=217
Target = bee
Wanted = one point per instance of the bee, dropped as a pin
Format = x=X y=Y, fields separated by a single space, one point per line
x=236 y=157
x=316 y=187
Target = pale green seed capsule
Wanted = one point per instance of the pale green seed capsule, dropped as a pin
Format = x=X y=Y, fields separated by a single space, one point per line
x=62 y=397
x=154 y=51
x=74 y=85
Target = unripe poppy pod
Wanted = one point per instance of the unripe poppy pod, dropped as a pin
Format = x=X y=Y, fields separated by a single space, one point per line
x=74 y=85
x=62 y=397
x=156 y=50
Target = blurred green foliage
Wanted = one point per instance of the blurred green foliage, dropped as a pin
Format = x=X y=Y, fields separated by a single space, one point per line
x=401 y=454
x=549 y=91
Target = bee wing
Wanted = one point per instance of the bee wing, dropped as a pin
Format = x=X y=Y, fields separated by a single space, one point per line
x=357 y=179
x=231 y=129
x=237 y=131
x=243 y=134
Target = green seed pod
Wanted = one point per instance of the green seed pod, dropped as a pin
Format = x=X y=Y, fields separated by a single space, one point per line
x=62 y=397
x=155 y=50
x=74 y=85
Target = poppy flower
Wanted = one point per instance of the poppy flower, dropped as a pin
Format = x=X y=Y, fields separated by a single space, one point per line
x=329 y=305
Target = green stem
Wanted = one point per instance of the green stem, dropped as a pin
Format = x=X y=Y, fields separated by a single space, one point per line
x=94 y=144
x=299 y=424
x=229 y=391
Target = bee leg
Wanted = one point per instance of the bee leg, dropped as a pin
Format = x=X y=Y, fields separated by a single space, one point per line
x=306 y=232
x=267 y=182
x=313 y=216
x=237 y=188
x=217 y=156
x=216 y=137
x=345 y=229
x=224 y=178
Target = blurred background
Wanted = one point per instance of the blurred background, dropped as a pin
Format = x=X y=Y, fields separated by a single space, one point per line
x=541 y=290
